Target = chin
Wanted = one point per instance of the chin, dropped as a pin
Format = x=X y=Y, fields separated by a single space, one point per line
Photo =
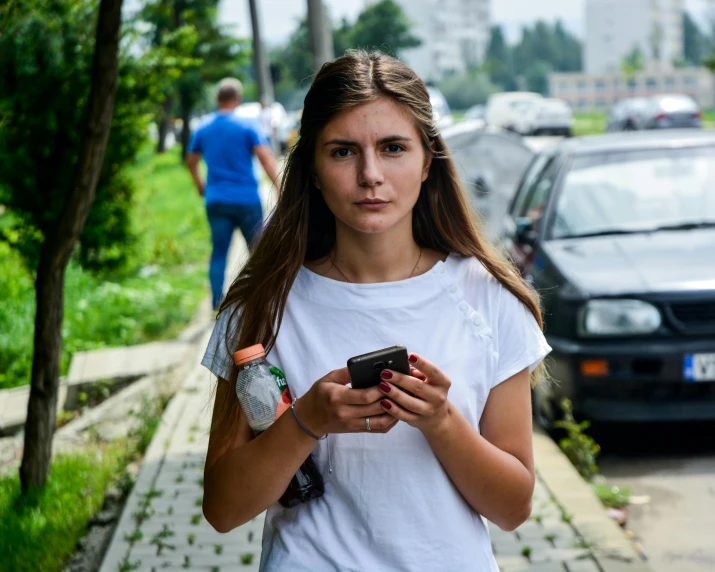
x=374 y=224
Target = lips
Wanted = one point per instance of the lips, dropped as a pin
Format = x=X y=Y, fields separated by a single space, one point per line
x=371 y=202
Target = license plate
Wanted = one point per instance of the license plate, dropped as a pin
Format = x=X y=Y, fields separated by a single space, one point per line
x=699 y=367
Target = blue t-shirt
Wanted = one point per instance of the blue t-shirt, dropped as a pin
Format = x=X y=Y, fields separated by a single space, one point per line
x=226 y=142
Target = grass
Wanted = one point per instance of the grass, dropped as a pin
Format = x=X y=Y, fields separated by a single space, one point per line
x=152 y=302
x=40 y=531
x=589 y=123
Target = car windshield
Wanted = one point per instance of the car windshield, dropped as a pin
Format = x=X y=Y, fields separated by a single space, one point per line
x=637 y=191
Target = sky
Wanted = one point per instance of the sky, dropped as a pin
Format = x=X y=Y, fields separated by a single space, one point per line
x=278 y=17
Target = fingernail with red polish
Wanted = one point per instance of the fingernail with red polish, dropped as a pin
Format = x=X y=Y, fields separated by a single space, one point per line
x=386 y=374
x=385 y=387
x=413 y=358
x=386 y=404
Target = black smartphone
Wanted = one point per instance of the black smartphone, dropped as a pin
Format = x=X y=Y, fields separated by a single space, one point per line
x=365 y=369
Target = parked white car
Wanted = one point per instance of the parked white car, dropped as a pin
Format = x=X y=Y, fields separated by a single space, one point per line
x=543 y=116
x=502 y=107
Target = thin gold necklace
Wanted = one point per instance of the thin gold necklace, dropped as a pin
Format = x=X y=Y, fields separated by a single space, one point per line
x=332 y=261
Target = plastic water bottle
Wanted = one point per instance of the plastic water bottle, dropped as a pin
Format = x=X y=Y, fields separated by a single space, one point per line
x=264 y=396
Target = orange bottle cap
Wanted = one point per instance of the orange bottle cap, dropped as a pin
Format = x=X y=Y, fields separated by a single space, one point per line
x=248 y=354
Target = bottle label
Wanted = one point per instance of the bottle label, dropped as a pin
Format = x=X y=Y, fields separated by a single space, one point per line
x=279 y=378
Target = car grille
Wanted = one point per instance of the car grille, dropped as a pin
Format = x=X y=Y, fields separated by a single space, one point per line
x=694 y=317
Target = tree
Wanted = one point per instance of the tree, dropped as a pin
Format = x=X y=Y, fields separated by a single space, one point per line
x=631 y=65
x=542 y=49
x=385 y=27
x=62 y=232
x=498 y=60
x=213 y=53
x=52 y=155
x=467 y=89
x=695 y=43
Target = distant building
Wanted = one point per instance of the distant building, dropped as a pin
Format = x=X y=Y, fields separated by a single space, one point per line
x=454 y=34
x=615 y=27
x=587 y=92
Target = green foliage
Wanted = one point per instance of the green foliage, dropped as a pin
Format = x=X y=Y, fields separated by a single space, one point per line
x=40 y=531
x=696 y=44
x=46 y=50
x=612 y=496
x=543 y=48
x=631 y=64
x=470 y=88
x=154 y=302
x=383 y=26
x=580 y=449
x=149 y=417
x=212 y=52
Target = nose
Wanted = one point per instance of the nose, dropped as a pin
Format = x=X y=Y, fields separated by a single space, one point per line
x=369 y=171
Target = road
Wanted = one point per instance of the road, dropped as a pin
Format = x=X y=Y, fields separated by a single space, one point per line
x=675 y=466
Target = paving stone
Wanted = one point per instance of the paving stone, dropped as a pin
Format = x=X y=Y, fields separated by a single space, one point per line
x=584 y=565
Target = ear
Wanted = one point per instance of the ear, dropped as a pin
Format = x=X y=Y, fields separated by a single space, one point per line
x=316 y=182
x=428 y=161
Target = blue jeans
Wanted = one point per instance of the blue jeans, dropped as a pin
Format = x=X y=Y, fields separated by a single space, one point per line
x=223 y=219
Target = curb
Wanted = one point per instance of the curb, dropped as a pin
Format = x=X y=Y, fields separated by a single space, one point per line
x=611 y=549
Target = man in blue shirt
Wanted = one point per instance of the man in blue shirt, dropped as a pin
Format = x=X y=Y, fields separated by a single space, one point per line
x=228 y=144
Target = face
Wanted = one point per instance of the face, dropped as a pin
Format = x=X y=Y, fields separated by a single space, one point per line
x=369 y=165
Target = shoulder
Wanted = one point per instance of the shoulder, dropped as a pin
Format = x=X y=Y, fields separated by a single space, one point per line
x=473 y=275
x=245 y=123
x=206 y=121
x=482 y=290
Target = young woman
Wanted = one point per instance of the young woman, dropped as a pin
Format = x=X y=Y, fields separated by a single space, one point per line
x=373 y=244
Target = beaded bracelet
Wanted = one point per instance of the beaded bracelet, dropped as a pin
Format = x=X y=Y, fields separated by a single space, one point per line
x=303 y=427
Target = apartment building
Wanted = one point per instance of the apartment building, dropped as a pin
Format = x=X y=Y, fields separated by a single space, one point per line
x=454 y=34
x=613 y=28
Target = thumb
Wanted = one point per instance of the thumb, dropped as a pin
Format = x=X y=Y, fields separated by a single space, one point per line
x=341 y=376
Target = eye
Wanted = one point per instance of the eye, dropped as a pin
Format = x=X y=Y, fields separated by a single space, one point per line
x=341 y=153
x=394 y=148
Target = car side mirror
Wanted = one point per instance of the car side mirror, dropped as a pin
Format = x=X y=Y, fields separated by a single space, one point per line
x=525 y=231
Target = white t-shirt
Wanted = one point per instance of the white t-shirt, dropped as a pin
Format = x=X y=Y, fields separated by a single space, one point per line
x=389 y=504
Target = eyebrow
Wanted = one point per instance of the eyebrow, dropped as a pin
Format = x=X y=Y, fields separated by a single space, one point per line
x=388 y=139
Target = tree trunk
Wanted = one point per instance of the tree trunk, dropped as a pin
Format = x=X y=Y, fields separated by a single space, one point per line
x=185 y=129
x=164 y=122
x=57 y=248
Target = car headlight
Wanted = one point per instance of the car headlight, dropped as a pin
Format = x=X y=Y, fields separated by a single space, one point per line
x=618 y=318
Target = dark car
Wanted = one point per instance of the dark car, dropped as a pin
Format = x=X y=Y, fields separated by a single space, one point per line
x=617 y=233
x=490 y=162
x=671 y=112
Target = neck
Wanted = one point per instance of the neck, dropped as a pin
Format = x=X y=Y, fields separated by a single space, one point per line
x=226 y=107
x=372 y=258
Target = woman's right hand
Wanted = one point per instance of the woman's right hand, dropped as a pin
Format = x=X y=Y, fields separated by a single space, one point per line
x=331 y=407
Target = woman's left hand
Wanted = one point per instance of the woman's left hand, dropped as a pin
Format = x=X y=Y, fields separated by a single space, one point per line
x=427 y=407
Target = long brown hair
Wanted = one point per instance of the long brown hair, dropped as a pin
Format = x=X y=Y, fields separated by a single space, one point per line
x=302 y=227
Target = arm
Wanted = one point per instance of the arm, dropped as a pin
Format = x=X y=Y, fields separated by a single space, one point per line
x=245 y=475
x=268 y=162
x=494 y=471
x=192 y=162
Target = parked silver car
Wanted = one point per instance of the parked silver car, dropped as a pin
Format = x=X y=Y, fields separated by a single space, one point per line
x=627 y=114
x=672 y=112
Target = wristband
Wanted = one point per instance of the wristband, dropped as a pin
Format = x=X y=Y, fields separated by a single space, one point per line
x=303 y=427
